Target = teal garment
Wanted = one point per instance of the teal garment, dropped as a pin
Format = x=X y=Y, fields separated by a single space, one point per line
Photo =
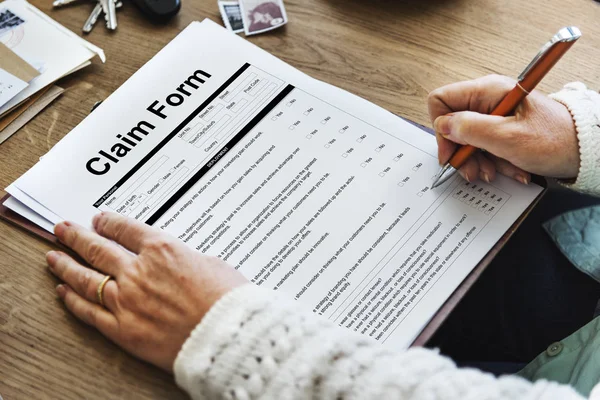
x=577 y=235
x=575 y=360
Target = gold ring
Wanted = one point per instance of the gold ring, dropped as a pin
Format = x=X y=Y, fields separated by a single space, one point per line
x=100 y=291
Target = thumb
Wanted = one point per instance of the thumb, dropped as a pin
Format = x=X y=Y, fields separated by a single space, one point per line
x=490 y=132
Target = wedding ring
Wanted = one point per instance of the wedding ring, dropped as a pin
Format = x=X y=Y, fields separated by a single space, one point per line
x=100 y=291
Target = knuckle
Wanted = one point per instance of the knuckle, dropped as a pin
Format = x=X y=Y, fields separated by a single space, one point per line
x=89 y=315
x=73 y=238
x=434 y=95
x=131 y=274
x=95 y=252
x=500 y=80
x=461 y=126
x=120 y=230
x=494 y=81
x=139 y=283
x=86 y=281
x=135 y=283
x=159 y=244
x=478 y=86
x=495 y=77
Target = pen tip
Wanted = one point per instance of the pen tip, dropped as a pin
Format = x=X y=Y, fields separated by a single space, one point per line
x=445 y=173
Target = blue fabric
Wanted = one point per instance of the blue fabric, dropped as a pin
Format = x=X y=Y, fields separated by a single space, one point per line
x=577 y=235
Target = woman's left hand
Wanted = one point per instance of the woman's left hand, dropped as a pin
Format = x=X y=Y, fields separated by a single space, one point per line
x=160 y=290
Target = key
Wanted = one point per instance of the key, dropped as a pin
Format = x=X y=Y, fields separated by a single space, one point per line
x=61 y=3
x=110 y=14
x=93 y=18
x=111 y=22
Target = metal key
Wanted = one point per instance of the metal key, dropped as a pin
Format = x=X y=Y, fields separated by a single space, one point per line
x=61 y=3
x=110 y=13
x=93 y=18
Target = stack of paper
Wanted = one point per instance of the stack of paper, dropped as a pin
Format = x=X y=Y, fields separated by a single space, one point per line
x=15 y=74
x=35 y=51
x=303 y=187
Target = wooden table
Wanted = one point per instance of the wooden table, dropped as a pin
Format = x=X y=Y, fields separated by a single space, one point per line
x=390 y=52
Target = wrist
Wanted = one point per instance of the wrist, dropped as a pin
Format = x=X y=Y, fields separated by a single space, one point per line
x=569 y=156
x=583 y=105
x=211 y=347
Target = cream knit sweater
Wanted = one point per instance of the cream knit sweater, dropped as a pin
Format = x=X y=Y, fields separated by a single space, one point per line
x=253 y=345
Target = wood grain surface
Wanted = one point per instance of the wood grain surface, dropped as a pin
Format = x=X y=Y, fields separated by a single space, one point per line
x=389 y=52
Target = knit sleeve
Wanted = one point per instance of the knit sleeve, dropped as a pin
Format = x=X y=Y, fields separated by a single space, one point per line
x=584 y=106
x=252 y=345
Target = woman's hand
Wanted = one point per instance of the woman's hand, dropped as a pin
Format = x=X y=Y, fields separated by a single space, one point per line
x=540 y=138
x=160 y=291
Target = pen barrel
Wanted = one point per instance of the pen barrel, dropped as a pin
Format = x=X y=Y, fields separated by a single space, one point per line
x=510 y=101
x=545 y=64
x=525 y=85
x=462 y=155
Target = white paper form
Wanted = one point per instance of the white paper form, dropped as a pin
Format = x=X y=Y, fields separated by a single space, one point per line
x=20 y=208
x=10 y=86
x=42 y=40
x=33 y=205
x=306 y=189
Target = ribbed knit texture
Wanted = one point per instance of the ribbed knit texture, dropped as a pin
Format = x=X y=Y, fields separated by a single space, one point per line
x=584 y=106
x=254 y=345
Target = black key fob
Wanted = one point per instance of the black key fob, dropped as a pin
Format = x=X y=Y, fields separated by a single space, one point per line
x=159 y=10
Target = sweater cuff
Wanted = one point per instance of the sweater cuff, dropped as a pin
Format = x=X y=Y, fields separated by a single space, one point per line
x=584 y=106
x=218 y=328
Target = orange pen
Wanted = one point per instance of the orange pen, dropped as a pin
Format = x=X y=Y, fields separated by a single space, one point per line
x=527 y=81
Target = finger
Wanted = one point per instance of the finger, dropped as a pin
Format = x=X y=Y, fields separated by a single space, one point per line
x=481 y=95
x=487 y=168
x=494 y=133
x=128 y=232
x=84 y=281
x=446 y=148
x=508 y=169
x=90 y=313
x=470 y=169
x=99 y=252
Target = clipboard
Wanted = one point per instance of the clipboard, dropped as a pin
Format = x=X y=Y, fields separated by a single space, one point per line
x=440 y=316
x=452 y=301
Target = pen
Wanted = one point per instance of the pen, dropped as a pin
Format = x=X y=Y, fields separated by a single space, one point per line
x=541 y=64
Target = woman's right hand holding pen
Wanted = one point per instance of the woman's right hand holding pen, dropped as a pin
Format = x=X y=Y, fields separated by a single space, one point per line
x=540 y=137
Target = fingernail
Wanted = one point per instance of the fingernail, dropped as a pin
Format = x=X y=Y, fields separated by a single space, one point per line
x=51 y=258
x=486 y=177
x=60 y=229
x=467 y=177
x=522 y=179
x=61 y=290
x=442 y=124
